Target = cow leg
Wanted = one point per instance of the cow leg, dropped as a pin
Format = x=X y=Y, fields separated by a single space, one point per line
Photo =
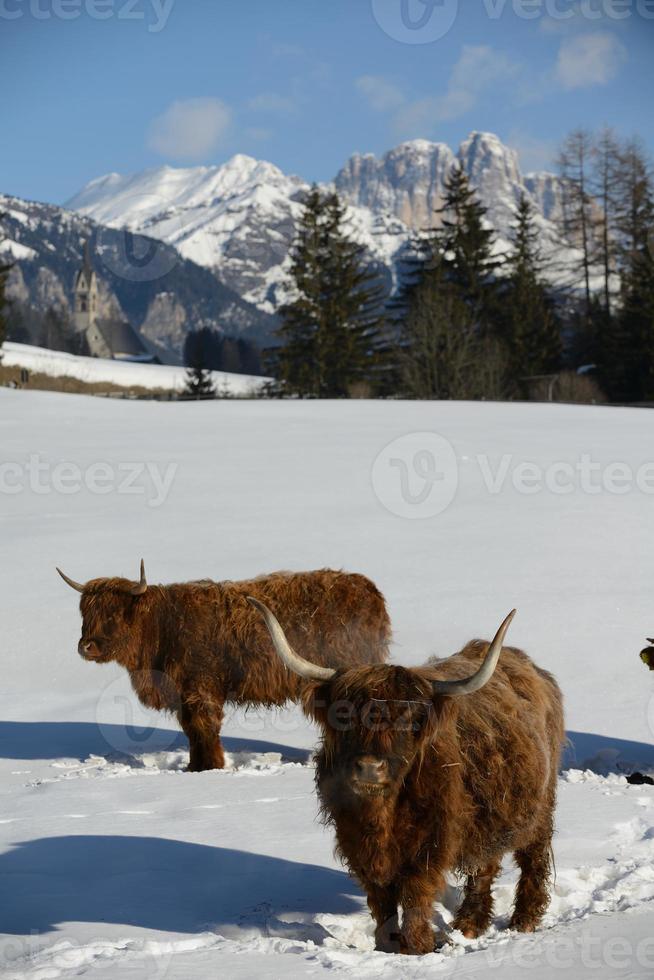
x=474 y=914
x=202 y=728
x=417 y=897
x=532 y=894
x=382 y=903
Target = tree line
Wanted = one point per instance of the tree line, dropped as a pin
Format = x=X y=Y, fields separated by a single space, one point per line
x=464 y=319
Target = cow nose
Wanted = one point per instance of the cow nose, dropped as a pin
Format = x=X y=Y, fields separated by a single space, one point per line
x=85 y=647
x=370 y=770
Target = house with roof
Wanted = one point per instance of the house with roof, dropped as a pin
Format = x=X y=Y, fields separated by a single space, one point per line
x=109 y=338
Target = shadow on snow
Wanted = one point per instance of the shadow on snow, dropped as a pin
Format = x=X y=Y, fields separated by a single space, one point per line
x=169 y=885
x=79 y=740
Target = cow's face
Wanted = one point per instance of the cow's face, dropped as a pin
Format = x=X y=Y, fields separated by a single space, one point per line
x=112 y=618
x=111 y=625
x=375 y=722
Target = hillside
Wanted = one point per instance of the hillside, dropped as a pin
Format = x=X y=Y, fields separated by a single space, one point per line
x=124 y=374
x=147 y=281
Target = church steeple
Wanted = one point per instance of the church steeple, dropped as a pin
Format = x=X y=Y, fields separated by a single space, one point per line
x=86 y=293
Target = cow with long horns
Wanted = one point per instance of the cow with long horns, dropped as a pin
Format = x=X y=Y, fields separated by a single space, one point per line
x=434 y=769
x=192 y=647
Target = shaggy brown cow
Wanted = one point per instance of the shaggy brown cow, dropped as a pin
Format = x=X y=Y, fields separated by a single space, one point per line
x=190 y=648
x=647 y=655
x=430 y=769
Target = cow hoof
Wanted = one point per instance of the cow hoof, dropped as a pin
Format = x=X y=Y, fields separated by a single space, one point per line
x=523 y=925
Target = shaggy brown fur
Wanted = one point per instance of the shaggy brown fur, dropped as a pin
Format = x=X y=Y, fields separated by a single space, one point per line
x=418 y=784
x=192 y=647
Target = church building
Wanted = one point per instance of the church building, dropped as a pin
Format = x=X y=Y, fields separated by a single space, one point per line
x=115 y=339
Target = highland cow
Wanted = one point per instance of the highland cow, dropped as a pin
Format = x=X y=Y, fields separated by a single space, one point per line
x=436 y=769
x=192 y=647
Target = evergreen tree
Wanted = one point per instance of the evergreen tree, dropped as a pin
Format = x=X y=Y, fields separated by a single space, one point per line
x=463 y=250
x=449 y=342
x=4 y=304
x=197 y=354
x=443 y=354
x=4 y=272
x=332 y=331
x=532 y=330
x=57 y=333
x=626 y=354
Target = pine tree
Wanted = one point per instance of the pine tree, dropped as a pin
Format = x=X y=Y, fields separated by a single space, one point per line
x=633 y=344
x=332 y=332
x=4 y=272
x=443 y=354
x=449 y=343
x=4 y=304
x=626 y=353
x=197 y=357
x=532 y=330
x=463 y=249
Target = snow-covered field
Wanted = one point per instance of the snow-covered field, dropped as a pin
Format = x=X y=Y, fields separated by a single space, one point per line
x=116 y=863
x=96 y=370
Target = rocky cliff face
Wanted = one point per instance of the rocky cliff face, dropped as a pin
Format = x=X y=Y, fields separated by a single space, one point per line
x=239 y=219
x=221 y=235
x=145 y=280
x=406 y=182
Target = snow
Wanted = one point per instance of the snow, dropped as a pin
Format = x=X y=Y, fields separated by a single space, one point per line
x=14 y=250
x=95 y=370
x=118 y=863
x=239 y=218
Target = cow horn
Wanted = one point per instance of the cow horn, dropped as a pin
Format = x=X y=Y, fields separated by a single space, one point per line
x=297 y=664
x=69 y=581
x=143 y=585
x=471 y=684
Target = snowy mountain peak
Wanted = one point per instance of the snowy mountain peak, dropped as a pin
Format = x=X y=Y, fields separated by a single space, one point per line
x=239 y=218
x=405 y=182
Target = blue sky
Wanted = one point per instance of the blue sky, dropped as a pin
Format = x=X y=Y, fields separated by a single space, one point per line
x=305 y=83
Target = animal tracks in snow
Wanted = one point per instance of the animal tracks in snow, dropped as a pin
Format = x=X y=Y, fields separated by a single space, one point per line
x=120 y=765
x=615 y=875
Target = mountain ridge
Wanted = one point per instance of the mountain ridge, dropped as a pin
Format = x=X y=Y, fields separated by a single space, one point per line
x=239 y=218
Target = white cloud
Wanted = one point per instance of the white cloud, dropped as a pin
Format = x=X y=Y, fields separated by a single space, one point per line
x=380 y=94
x=273 y=102
x=589 y=59
x=190 y=129
x=478 y=69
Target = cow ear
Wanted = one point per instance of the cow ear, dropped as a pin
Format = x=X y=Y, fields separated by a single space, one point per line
x=444 y=711
x=316 y=700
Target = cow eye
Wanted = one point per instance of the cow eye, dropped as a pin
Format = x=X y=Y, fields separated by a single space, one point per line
x=341 y=715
